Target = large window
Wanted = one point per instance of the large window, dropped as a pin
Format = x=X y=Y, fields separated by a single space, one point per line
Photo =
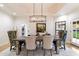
x=75 y=39
x=76 y=29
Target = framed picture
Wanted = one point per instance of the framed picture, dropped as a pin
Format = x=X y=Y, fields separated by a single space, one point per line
x=41 y=27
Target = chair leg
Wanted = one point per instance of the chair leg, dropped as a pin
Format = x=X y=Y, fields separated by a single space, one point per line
x=42 y=48
x=33 y=52
x=27 y=52
x=39 y=43
x=44 y=52
x=64 y=46
x=42 y=45
x=51 y=52
x=10 y=47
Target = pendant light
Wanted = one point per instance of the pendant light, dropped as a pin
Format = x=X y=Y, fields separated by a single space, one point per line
x=38 y=18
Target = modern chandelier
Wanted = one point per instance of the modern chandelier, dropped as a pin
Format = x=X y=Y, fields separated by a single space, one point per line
x=38 y=18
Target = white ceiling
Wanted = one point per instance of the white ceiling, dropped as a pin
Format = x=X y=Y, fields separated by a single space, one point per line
x=49 y=9
x=69 y=8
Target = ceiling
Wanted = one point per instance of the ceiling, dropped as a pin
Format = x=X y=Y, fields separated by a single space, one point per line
x=49 y=9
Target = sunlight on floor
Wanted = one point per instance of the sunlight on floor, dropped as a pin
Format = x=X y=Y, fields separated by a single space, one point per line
x=76 y=50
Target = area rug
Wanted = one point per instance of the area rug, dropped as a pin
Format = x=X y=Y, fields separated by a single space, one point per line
x=39 y=52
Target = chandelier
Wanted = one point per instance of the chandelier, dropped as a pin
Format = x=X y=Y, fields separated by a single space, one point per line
x=38 y=18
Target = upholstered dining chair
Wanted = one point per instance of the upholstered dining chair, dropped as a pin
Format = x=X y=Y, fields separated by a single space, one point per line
x=12 y=36
x=47 y=43
x=63 y=40
x=30 y=43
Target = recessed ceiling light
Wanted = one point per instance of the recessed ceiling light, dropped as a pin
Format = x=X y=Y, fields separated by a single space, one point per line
x=1 y=5
x=14 y=13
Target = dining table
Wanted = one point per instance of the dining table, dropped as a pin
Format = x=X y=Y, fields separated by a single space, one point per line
x=18 y=41
x=22 y=39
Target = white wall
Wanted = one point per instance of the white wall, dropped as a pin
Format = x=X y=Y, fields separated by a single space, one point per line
x=6 y=24
x=19 y=22
x=50 y=25
x=31 y=26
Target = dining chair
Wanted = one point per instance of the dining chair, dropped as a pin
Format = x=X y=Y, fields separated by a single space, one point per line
x=63 y=40
x=12 y=36
x=30 y=43
x=47 y=43
x=39 y=40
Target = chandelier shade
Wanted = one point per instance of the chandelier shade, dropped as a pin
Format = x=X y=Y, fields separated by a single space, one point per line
x=38 y=18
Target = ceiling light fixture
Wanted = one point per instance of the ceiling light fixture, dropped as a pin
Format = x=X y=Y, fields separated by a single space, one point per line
x=38 y=18
x=1 y=5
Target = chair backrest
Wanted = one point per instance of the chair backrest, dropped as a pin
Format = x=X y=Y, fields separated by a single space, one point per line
x=12 y=35
x=30 y=42
x=61 y=32
x=47 y=41
x=39 y=37
x=64 y=35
